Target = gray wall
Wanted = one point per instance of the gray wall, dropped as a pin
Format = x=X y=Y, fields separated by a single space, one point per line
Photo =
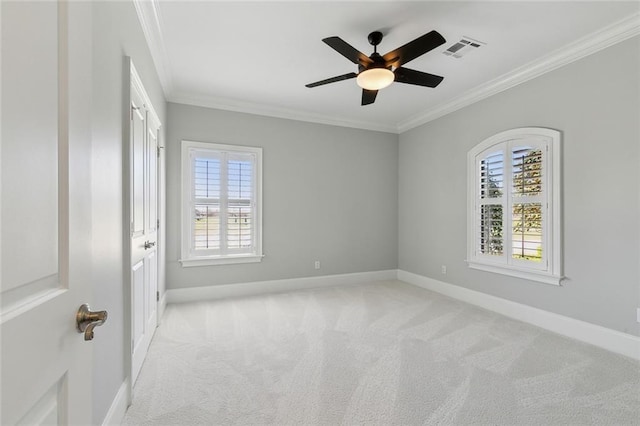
x=116 y=34
x=330 y=194
x=595 y=102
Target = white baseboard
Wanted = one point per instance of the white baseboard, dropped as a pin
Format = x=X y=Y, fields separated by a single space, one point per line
x=192 y=294
x=118 y=406
x=606 y=338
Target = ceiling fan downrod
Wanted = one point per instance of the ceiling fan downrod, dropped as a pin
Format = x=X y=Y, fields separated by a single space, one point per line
x=374 y=39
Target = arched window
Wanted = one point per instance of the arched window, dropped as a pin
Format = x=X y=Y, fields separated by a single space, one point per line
x=514 y=205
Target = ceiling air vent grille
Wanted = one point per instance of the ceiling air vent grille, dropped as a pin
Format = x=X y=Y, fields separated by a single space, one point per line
x=462 y=47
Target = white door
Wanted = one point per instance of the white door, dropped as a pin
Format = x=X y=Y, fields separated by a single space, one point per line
x=46 y=212
x=144 y=131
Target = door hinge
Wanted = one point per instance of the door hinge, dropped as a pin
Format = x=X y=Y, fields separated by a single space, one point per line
x=157 y=296
x=158 y=151
x=158 y=224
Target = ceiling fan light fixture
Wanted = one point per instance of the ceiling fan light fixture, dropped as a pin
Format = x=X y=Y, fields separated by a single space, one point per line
x=375 y=78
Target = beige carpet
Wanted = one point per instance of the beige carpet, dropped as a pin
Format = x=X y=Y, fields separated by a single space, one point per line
x=383 y=353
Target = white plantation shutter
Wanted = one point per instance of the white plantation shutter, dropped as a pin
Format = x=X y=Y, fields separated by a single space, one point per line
x=240 y=184
x=513 y=211
x=528 y=206
x=206 y=199
x=491 y=202
x=221 y=191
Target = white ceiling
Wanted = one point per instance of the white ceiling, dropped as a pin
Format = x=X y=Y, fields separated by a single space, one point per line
x=257 y=56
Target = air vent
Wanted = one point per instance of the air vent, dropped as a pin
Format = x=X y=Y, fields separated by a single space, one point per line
x=463 y=47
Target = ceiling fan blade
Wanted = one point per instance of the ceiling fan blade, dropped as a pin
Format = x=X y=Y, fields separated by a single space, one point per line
x=346 y=50
x=418 y=78
x=368 y=96
x=332 y=79
x=413 y=49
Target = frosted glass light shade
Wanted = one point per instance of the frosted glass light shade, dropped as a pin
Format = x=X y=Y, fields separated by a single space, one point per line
x=375 y=78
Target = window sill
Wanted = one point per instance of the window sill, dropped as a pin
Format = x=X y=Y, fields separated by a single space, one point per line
x=541 y=277
x=220 y=260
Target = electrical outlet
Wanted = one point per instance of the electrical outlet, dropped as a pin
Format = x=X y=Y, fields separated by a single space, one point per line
x=317 y=264
x=443 y=269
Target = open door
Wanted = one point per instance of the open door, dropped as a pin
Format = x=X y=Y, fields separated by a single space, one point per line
x=46 y=212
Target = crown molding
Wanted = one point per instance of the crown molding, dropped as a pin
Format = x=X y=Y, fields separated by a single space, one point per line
x=585 y=46
x=151 y=23
x=277 y=112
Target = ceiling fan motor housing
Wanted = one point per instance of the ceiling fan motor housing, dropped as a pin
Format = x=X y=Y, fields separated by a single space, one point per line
x=375 y=38
x=378 y=62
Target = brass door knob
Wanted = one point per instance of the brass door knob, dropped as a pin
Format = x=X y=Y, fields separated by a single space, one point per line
x=88 y=320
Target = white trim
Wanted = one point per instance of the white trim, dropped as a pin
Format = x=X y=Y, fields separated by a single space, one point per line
x=277 y=112
x=518 y=273
x=606 y=338
x=212 y=292
x=220 y=260
x=151 y=23
x=136 y=82
x=585 y=46
x=118 y=406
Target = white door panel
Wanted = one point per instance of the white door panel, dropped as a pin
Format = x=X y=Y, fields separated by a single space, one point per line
x=152 y=176
x=46 y=140
x=145 y=128
x=137 y=281
x=151 y=311
x=138 y=129
x=29 y=152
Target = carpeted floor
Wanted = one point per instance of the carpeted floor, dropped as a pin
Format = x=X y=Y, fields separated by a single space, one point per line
x=384 y=353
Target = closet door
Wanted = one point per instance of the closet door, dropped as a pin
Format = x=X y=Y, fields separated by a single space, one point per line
x=144 y=133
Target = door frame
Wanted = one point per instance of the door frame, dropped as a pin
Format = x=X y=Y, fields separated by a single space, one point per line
x=131 y=76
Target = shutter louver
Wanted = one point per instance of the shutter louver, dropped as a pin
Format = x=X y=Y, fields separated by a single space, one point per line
x=206 y=227
x=492 y=176
x=526 y=171
x=491 y=229
x=526 y=236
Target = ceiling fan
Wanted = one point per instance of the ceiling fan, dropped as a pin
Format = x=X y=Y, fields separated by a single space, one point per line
x=377 y=71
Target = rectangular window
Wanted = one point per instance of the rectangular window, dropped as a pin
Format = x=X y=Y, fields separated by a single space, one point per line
x=514 y=205
x=221 y=195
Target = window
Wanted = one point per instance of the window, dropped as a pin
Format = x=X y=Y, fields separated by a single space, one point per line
x=221 y=199
x=514 y=205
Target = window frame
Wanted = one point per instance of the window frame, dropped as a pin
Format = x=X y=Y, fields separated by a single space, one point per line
x=550 y=270
x=188 y=201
